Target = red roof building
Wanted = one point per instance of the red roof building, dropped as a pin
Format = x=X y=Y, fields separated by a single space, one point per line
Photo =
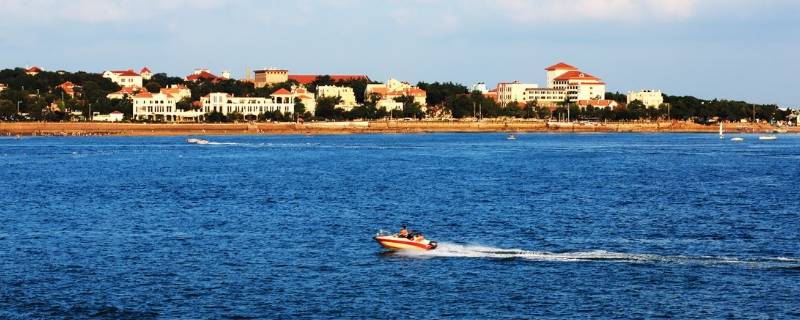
x=309 y=78
x=202 y=74
x=32 y=71
x=68 y=88
x=560 y=66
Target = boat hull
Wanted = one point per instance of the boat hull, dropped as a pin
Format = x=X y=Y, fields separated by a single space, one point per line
x=398 y=243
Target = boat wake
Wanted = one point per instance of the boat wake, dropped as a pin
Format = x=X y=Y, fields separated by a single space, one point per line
x=453 y=250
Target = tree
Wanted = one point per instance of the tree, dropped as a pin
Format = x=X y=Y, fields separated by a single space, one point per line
x=299 y=107
x=438 y=93
x=153 y=86
x=326 y=107
x=7 y=107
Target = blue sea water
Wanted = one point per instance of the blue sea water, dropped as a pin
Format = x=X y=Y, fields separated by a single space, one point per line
x=545 y=226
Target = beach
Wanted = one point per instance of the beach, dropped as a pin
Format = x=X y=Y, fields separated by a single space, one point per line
x=359 y=127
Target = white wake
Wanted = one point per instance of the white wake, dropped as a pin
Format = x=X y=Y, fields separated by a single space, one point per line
x=454 y=250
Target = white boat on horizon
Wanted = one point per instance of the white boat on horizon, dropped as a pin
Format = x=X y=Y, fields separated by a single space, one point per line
x=770 y=137
x=197 y=141
x=511 y=137
x=737 y=139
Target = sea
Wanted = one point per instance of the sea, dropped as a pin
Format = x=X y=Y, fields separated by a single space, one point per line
x=280 y=227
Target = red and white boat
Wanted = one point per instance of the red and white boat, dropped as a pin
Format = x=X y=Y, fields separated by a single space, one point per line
x=414 y=241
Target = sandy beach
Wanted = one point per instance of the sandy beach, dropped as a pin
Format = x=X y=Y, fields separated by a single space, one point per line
x=357 y=127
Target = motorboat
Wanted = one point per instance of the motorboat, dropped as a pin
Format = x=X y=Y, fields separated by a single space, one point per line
x=770 y=137
x=737 y=139
x=414 y=241
x=197 y=141
x=511 y=137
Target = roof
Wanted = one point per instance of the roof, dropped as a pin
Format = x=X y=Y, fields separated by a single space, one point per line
x=282 y=91
x=34 y=69
x=143 y=95
x=202 y=75
x=67 y=84
x=116 y=112
x=309 y=78
x=145 y=69
x=125 y=73
x=560 y=66
x=576 y=75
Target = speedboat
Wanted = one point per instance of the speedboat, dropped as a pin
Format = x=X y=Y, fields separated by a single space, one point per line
x=767 y=138
x=737 y=139
x=414 y=241
x=197 y=141
x=511 y=137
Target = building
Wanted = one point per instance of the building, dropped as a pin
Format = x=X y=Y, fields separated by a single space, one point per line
x=124 y=92
x=146 y=73
x=270 y=76
x=114 y=116
x=306 y=98
x=394 y=89
x=346 y=94
x=68 y=88
x=577 y=84
x=265 y=77
x=565 y=83
x=480 y=87
x=124 y=78
x=203 y=74
x=650 y=98
x=512 y=91
x=3 y=86
x=154 y=106
x=600 y=104
x=178 y=91
x=32 y=71
x=281 y=100
x=546 y=97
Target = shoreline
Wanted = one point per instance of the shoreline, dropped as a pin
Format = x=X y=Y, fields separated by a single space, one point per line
x=372 y=127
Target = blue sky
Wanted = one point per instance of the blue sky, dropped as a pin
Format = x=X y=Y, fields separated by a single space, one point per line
x=733 y=49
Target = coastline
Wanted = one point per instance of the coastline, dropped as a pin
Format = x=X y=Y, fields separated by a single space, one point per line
x=364 y=127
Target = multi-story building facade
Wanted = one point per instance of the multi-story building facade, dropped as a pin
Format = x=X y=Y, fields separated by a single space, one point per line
x=154 y=106
x=346 y=94
x=178 y=91
x=124 y=78
x=566 y=83
x=225 y=103
x=650 y=98
x=512 y=91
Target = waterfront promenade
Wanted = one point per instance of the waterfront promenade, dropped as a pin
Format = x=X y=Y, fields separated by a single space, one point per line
x=356 y=127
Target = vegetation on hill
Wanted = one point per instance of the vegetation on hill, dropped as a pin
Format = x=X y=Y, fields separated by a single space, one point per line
x=40 y=98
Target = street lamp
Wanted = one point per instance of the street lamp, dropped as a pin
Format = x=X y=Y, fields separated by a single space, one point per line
x=18 y=102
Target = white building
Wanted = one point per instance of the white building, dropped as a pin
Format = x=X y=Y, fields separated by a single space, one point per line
x=345 y=94
x=650 y=98
x=114 y=116
x=3 y=86
x=146 y=73
x=124 y=78
x=225 y=103
x=306 y=98
x=566 y=83
x=154 y=106
x=128 y=92
x=512 y=91
x=480 y=87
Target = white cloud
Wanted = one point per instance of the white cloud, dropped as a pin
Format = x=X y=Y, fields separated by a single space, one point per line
x=90 y=11
x=534 y=11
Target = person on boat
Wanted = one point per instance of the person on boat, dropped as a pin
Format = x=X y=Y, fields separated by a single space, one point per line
x=403 y=232
x=419 y=237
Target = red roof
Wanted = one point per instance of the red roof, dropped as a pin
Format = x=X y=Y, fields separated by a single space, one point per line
x=576 y=75
x=33 y=69
x=309 y=78
x=116 y=112
x=126 y=73
x=202 y=75
x=560 y=66
x=281 y=91
x=145 y=69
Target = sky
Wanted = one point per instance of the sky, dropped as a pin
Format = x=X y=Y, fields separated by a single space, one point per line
x=727 y=49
